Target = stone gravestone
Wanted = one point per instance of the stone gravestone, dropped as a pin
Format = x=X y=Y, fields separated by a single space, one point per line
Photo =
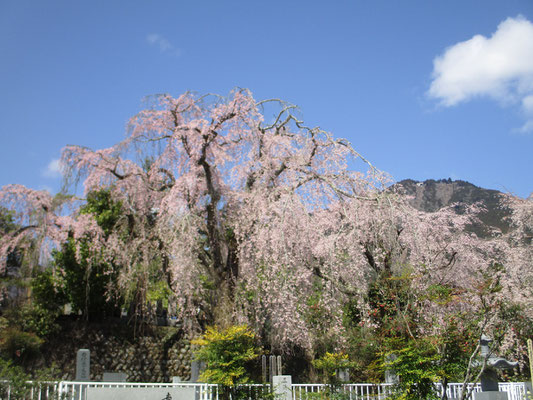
x=529 y=390
x=390 y=374
x=83 y=372
x=114 y=377
x=196 y=369
x=282 y=387
x=83 y=365
x=489 y=377
x=272 y=367
x=264 y=368
x=343 y=375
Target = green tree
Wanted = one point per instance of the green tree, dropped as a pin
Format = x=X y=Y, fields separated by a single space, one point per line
x=47 y=291
x=87 y=284
x=105 y=210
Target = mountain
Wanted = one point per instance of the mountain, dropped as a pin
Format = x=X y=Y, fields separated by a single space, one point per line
x=431 y=195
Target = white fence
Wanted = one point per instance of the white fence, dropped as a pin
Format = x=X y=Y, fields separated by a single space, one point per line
x=357 y=391
x=203 y=391
x=366 y=391
x=66 y=390
x=32 y=390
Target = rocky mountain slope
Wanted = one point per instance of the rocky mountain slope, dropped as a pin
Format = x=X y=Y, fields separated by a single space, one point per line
x=431 y=195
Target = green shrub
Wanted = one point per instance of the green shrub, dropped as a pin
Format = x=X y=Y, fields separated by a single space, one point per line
x=330 y=364
x=416 y=365
x=38 y=320
x=16 y=380
x=18 y=345
x=227 y=354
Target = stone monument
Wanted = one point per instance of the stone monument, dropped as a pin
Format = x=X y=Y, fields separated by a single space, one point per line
x=274 y=367
x=83 y=365
x=343 y=375
x=197 y=367
x=114 y=377
x=83 y=372
x=390 y=374
x=489 y=377
x=282 y=386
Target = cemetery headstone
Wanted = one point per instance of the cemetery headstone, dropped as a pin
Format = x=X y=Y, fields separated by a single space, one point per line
x=530 y=356
x=83 y=365
x=83 y=372
x=264 y=368
x=272 y=367
x=529 y=390
x=196 y=369
x=390 y=374
x=344 y=375
x=114 y=377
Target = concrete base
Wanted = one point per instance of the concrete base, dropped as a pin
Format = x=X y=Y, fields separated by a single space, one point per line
x=490 y=396
x=141 y=393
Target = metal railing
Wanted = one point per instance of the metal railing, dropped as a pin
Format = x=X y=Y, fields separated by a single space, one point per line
x=30 y=390
x=353 y=391
x=80 y=390
x=68 y=390
x=366 y=391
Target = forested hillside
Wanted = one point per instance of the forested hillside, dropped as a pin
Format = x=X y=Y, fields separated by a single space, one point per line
x=212 y=212
x=432 y=195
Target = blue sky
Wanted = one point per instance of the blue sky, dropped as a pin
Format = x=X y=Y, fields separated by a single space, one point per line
x=424 y=89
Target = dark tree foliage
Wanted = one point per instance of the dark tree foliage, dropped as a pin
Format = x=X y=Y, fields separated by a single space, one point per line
x=86 y=284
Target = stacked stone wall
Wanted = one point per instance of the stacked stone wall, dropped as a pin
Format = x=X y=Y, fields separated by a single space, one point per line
x=155 y=355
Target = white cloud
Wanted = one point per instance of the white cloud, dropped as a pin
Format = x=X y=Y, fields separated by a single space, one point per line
x=527 y=105
x=499 y=67
x=53 y=169
x=163 y=44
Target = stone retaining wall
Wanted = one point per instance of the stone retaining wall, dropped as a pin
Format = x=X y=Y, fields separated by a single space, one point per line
x=151 y=357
